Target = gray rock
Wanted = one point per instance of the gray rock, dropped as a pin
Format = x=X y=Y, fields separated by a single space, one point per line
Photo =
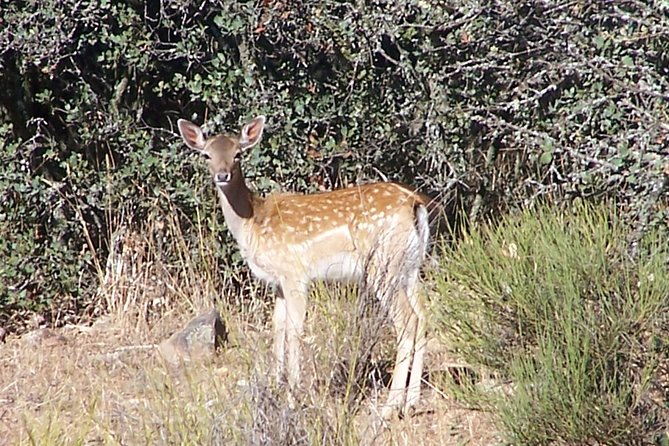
x=198 y=340
x=45 y=337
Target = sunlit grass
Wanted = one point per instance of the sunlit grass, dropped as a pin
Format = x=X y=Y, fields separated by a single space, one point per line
x=107 y=384
x=552 y=305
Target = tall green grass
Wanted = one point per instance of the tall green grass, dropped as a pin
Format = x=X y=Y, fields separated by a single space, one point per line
x=553 y=305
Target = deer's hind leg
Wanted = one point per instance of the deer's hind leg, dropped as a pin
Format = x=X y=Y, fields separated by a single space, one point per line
x=419 y=344
x=405 y=323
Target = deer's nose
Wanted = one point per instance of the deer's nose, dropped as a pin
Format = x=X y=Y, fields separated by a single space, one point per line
x=222 y=177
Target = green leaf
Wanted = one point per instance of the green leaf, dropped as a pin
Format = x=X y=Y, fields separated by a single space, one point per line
x=546 y=157
x=601 y=42
x=617 y=161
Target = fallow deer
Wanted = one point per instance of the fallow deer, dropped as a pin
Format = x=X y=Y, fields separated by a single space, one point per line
x=346 y=235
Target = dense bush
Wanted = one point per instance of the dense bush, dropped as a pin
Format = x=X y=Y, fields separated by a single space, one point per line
x=485 y=104
x=571 y=327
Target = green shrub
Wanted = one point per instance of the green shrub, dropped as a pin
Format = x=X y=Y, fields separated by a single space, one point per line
x=554 y=303
x=485 y=104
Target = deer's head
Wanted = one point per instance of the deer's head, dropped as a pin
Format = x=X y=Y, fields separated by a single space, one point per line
x=222 y=151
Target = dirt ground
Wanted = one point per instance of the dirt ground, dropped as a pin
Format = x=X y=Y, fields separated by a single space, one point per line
x=105 y=384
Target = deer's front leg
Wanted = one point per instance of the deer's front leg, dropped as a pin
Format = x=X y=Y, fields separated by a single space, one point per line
x=295 y=299
x=279 y=325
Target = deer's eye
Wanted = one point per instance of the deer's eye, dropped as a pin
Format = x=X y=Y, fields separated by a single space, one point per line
x=205 y=155
x=238 y=156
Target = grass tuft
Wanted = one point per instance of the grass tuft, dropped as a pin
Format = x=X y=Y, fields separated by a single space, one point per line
x=571 y=328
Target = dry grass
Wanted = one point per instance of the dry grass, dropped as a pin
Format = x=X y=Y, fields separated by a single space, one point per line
x=105 y=383
x=91 y=391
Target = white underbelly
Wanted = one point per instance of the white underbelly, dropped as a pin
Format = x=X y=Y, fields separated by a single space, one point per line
x=340 y=267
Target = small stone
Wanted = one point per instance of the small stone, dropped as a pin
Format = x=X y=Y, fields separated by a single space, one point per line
x=198 y=340
x=44 y=336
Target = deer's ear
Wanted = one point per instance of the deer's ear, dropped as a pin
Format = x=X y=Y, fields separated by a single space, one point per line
x=191 y=134
x=252 y=133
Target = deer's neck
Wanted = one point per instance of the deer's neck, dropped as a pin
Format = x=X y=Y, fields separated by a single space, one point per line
x=237 y=204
